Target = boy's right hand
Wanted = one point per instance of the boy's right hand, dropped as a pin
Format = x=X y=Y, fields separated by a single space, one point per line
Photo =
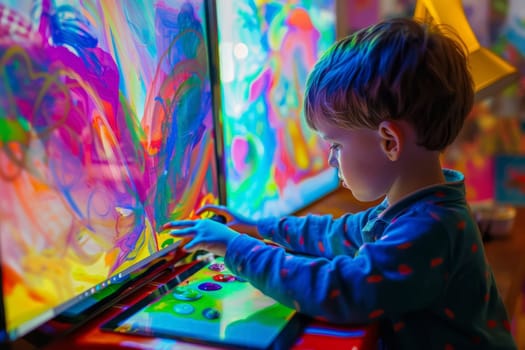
x=238 y=222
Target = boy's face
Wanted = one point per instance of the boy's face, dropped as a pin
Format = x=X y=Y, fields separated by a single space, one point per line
x=362 y=164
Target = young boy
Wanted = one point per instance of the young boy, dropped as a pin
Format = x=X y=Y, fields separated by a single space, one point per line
x=388 y=99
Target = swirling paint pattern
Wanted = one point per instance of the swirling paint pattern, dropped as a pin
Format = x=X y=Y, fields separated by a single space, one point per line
x=267 y=48
x=106 y=133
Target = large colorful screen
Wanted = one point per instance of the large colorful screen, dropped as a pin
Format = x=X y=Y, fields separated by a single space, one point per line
x=106 y=132
x=216 y=307
x=274 y=164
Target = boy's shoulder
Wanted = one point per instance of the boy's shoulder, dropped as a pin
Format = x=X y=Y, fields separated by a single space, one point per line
x=447 y=199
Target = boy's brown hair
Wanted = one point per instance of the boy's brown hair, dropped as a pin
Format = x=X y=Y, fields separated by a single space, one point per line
x=398 y=69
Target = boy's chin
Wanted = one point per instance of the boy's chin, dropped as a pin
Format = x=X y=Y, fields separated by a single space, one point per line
x=361 y=197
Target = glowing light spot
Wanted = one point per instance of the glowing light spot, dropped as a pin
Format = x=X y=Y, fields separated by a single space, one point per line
x=237 y=110
x=240 y=51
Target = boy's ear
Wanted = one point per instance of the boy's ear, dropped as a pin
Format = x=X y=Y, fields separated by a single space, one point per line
x=391 y=138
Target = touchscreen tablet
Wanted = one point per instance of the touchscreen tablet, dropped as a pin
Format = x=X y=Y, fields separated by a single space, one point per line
x=212 y=306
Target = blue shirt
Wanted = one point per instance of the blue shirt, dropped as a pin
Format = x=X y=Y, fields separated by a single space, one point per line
x=418 y=265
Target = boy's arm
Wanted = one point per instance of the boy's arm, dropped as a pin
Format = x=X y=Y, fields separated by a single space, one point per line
x=314 y=234
x=404 y=271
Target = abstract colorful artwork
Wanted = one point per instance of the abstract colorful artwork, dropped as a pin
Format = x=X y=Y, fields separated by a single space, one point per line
x=106 y=132
x=274 y=164
x=510 y=179
x=361 y=13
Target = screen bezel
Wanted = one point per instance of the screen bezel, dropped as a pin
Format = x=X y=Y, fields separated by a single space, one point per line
x=215 y=76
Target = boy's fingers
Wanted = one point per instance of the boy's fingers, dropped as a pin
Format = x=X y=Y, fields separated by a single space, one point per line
x=216 y=209
x=182 y=223
x=191 y=244
x=182 y=232
x=205 y=208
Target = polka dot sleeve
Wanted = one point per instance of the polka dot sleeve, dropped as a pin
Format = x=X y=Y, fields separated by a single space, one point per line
x=316 y=235
x=404 y=270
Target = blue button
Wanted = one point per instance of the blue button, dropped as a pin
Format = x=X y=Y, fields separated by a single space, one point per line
x=209 y=286
x=210 y=313
x=184 y=309
x=187 y=294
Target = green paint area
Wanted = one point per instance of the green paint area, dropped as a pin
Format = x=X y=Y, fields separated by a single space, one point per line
x=14 y=130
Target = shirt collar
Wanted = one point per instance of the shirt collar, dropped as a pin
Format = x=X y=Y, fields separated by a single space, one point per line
x=452 y=190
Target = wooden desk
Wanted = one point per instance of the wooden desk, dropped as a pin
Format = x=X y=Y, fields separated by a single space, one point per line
x=507 y=259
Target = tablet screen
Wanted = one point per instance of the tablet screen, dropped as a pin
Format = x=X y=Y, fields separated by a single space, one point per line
x=213 y=306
